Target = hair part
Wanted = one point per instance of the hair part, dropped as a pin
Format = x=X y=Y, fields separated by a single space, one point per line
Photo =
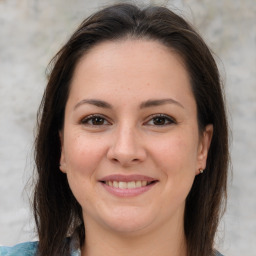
x=57 y=212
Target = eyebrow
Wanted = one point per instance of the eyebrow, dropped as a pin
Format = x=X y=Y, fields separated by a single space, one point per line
x=97 y=103
x=146 y=104
x=159 y=102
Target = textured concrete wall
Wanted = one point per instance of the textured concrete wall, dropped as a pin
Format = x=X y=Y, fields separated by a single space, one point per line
x=31 y=31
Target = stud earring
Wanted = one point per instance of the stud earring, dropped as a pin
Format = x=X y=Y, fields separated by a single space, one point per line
x=201 y=170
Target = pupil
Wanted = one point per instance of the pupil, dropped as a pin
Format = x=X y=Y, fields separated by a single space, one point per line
x=97 y=121
x=159 y=121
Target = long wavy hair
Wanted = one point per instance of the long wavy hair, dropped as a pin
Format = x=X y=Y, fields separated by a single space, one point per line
x=57 y=213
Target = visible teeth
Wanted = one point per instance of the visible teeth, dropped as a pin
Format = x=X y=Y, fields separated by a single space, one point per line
x=115 y=184
x=131 y=184
x=143 y=183
x=122 y=184
x=138 y=184
x=125 y=185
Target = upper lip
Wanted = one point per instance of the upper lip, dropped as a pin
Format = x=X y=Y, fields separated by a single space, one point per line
x=127 y=178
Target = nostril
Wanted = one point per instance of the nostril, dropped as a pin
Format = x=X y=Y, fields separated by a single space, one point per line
x=125 y=161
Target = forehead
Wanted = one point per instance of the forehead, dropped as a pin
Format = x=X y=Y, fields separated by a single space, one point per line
x=128 y=65
x=132 y=50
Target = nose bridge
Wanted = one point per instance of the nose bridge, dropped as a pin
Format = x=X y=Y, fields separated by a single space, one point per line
x=126 y=147
x=126 y=138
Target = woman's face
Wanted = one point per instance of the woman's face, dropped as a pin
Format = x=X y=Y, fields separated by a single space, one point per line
x=130 y=143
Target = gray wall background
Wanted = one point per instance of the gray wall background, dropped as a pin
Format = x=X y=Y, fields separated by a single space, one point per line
x=31 y=31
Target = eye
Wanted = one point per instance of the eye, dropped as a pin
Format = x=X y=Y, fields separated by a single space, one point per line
x=161 y=120
x=95 y=120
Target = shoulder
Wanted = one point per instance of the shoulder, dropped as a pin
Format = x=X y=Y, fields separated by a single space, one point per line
x=218 y=254
x=23 y=249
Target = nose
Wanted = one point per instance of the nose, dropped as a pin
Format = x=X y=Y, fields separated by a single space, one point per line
x=126 y=147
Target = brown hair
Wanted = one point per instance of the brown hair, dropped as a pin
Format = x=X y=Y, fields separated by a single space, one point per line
x=56 y=211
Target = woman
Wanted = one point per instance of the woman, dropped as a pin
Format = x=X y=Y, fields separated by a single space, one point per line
x=132 y=144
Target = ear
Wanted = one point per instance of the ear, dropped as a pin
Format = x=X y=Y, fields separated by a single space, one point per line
x=203 y=149
x=62 y=153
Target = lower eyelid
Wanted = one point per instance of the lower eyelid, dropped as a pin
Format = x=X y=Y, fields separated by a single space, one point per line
x=169 y=119
x=87 y=119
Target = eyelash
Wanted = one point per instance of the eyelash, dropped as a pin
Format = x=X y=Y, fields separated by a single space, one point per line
x=91 y=118
x=166 y=118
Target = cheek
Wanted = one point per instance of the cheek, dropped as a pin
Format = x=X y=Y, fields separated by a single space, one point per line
x=176 y=157
x=177 y=153
x=83 y=154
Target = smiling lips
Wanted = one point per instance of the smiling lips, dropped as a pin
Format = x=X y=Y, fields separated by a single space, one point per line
x=125 y=185
x=131 y=185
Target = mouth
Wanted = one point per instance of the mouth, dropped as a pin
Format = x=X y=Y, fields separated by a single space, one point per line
x=128 y=185
x=131 y=185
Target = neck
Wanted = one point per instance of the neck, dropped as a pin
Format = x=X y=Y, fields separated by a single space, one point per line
x=165 y=241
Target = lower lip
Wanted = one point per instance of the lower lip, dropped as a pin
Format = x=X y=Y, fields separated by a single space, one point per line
x=129 y=192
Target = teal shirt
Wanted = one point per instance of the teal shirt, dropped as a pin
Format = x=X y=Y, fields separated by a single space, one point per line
x=24 y=249
x=29 y=249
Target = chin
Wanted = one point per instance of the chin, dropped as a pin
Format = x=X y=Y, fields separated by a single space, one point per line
x=128 y=221
x=128 y=229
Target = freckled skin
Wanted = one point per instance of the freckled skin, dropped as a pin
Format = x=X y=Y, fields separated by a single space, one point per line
x=125 y=74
